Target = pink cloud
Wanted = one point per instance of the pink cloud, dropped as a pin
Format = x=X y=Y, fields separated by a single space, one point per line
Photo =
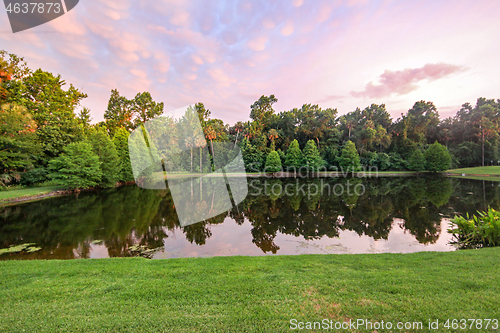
x=405 y=81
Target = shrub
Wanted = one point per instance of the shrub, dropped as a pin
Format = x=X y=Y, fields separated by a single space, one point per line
x=437 y=158
x=479 y=231
x=273 y=162
x=77 y=167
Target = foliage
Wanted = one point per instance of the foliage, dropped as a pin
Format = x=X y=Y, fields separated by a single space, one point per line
x=52 y=109
x=17 y=139
x=437 y=158
x=349 y=159
x=481 y=230
x=273 y=162
x=294 y=157
x=77 y=167
x=417 y=161
x=144 y=108
x=105 y=149
x=118 y=113
x=120 y=141
x=312 y=159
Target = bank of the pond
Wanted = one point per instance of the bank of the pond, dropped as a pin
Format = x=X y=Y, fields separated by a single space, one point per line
x=11 y=197
x=478 y=173
x=247 y=294
x=30 y=194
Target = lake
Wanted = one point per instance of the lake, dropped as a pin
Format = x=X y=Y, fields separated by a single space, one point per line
x=370 y=215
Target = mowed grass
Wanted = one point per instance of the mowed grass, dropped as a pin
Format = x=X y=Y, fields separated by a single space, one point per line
x=246 y=294
x=487 y=170
x=27 y=192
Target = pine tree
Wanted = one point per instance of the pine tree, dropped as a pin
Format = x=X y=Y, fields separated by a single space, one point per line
x=78 y=167
x=349 y=159
x=273 y=162
x=437 y=158
x=294 y=157
x=417 y=161
x=120 y=141
x=105 y=149
x=312 y=157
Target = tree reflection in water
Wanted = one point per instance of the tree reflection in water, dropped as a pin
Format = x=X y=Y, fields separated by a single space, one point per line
x=66 y=227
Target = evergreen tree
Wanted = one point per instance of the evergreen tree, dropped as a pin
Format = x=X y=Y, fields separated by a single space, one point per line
x=105 y=149
x=417 y=161
x=252 y=156
x=273 y=162
x=437 y=158
x=120 y=141
x=312 y=157
x=78 y=167
x=294 y=156
x=349 y=159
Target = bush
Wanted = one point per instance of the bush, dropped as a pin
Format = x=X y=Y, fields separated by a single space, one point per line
x=417 y=161
x=476 y=232
x=77 y=167
x=437 y=158
x=273 y=162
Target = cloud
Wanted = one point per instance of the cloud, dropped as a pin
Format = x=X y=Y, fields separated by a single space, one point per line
x=405 y=81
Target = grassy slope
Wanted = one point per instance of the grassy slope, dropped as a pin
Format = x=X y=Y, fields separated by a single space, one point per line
x=251 y=294
x=487 y=170
x=27 y=192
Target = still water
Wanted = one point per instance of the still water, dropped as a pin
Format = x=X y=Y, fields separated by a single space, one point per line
x=369 y=216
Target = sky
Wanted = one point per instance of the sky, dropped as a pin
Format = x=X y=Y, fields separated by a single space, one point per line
x=337 y=54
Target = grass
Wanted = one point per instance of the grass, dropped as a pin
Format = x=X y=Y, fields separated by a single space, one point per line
x=246 y=294
x=27 y=192
x=477 y=171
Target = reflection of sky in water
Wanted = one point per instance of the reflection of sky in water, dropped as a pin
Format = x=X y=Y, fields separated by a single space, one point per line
x=230 y=239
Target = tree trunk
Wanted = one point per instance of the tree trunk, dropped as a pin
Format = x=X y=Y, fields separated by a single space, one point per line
x=483 y=146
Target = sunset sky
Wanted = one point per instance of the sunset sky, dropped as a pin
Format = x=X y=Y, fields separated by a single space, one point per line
x=226 y=54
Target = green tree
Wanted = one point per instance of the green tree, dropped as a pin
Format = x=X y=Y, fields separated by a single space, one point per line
x=417 y=161
x=78 y=167
x=52 y=108
x=119 y=113
x=144 y=108
x=273 y=162
x=437 y=158
x=311 y=156
x=105 y=149
x=294 y=157
x=17 y=139
x=349 y=159
x=120 y=141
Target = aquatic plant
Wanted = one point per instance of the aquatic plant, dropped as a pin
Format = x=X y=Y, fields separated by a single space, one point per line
x=481 y=230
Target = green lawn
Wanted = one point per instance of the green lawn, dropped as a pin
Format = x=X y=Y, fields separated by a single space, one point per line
x=477 y=171
x=247 y=294
x=27 y=192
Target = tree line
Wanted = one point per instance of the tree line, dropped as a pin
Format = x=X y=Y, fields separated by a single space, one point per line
x=48 y=137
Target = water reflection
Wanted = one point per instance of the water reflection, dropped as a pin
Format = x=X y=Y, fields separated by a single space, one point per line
x=110 y=222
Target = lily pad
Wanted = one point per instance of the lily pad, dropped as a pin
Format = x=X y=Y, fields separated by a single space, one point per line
x=28 y=247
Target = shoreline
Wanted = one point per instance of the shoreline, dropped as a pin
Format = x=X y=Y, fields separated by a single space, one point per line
x=381 y=174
